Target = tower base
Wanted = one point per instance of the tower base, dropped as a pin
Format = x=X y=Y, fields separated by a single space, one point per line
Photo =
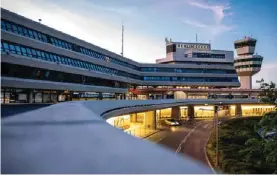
x=245 y=82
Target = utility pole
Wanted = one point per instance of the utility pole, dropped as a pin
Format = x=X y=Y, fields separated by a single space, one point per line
x=196 y=37
x=122 y=40
x=217 y=156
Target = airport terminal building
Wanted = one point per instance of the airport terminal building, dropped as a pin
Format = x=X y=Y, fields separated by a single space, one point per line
x=43 y=65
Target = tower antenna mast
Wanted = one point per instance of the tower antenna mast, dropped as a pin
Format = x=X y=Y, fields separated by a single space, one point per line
x=122 y=40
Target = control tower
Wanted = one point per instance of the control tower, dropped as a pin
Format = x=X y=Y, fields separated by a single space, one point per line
x=246 y=63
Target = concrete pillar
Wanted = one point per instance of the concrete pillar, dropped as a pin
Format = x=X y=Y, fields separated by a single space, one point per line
x=176 y=112
x=30 y=96
x=190 y=111
x=133 y=117
x=150 y=120
x=245 y=82
x=238 y=110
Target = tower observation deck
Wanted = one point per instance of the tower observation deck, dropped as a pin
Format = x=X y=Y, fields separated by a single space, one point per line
x=246 y=63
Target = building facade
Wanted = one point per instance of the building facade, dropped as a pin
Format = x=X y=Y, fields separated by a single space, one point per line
x=40 y=65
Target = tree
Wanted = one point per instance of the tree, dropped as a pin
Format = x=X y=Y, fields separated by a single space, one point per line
x=269 y=93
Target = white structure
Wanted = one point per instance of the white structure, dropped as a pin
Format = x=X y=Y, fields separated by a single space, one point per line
x=246 y=63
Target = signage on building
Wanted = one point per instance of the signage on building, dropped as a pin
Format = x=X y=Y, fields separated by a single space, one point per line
x=194 y=46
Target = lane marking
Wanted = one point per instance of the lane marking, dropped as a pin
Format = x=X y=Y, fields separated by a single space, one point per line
x=206 y=155
x=184 y=140
x=160 y=140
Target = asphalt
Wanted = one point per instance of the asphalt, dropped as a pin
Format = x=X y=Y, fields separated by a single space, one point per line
x=188 y=139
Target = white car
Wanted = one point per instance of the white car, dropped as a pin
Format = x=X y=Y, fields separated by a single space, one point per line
x=172 y=122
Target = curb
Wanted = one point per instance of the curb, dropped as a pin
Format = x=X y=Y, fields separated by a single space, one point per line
x=152 y=134
x=206 y=156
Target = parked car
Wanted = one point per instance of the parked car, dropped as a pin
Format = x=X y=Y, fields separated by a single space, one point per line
x=172 y=122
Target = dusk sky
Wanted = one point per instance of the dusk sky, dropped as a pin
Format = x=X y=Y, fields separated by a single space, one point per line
x=148 y=22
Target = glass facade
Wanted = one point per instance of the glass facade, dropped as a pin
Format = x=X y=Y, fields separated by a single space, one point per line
x=30 y=33
x=59 y=59
x=248 y=66
x=208 y=55
x=191 y=79
x=188 y=70
x=246 y=43
x=248 y=59
x=18 y=71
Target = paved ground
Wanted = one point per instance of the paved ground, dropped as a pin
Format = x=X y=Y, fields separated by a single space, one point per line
x=185 y=140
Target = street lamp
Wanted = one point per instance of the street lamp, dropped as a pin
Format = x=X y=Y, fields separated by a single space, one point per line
x=217 y=129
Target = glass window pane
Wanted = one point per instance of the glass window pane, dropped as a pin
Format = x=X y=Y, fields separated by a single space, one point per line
x=35 y=34
x=6 y=46
x=29 y=51
x=25 y=32
x=23 y=50
x=3 y=25
x=12 y=47
x=18 y=51
x=14 y=28
x=38 y=53
x=9 y=27
x=34 y=52
x=30 y=33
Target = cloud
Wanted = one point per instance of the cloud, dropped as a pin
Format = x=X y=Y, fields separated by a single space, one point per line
x=219 y=13
x=89 y=25
x=218 y=10
x=195 y=23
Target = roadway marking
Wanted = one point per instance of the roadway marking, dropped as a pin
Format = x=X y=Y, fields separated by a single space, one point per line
x=184 y=140
x=160 y=140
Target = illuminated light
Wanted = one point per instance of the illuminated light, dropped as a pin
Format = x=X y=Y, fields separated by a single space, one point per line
x=206 y=104
x=250 y=107
x=183 y=107
x=204 y=107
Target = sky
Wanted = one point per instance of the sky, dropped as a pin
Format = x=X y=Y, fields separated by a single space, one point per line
x=148 y=22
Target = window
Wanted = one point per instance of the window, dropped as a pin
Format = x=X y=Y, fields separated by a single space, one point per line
x=20 y=31
x=25 y=31
x=29 y=53
x=30 y=33
x=18 y=51
x=6 y=47
x=12 y=48
x=9 y=27
x=35 y=34
x=3 y=25
x=34 y=53
x=38 y=54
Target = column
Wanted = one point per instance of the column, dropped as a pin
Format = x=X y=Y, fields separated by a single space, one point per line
x=238 y=110
x=150 y=120
x=30 y=96
x=133 y=117
x=190 y=111
x=176 y=112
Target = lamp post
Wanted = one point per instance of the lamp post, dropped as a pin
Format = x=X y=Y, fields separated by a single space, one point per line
x=216 y=130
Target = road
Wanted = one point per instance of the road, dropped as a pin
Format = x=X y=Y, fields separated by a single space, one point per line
x=189 y=139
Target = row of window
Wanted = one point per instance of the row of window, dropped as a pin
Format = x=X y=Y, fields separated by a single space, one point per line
x=19 y=71
x=208 y=55
x=47 y=56
x=24 y=31
x=248 y=66
x=188 y=70
x=248 y=59
x=191 y=79
x=30 y=33
x=247 y=43
x=199 y=63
